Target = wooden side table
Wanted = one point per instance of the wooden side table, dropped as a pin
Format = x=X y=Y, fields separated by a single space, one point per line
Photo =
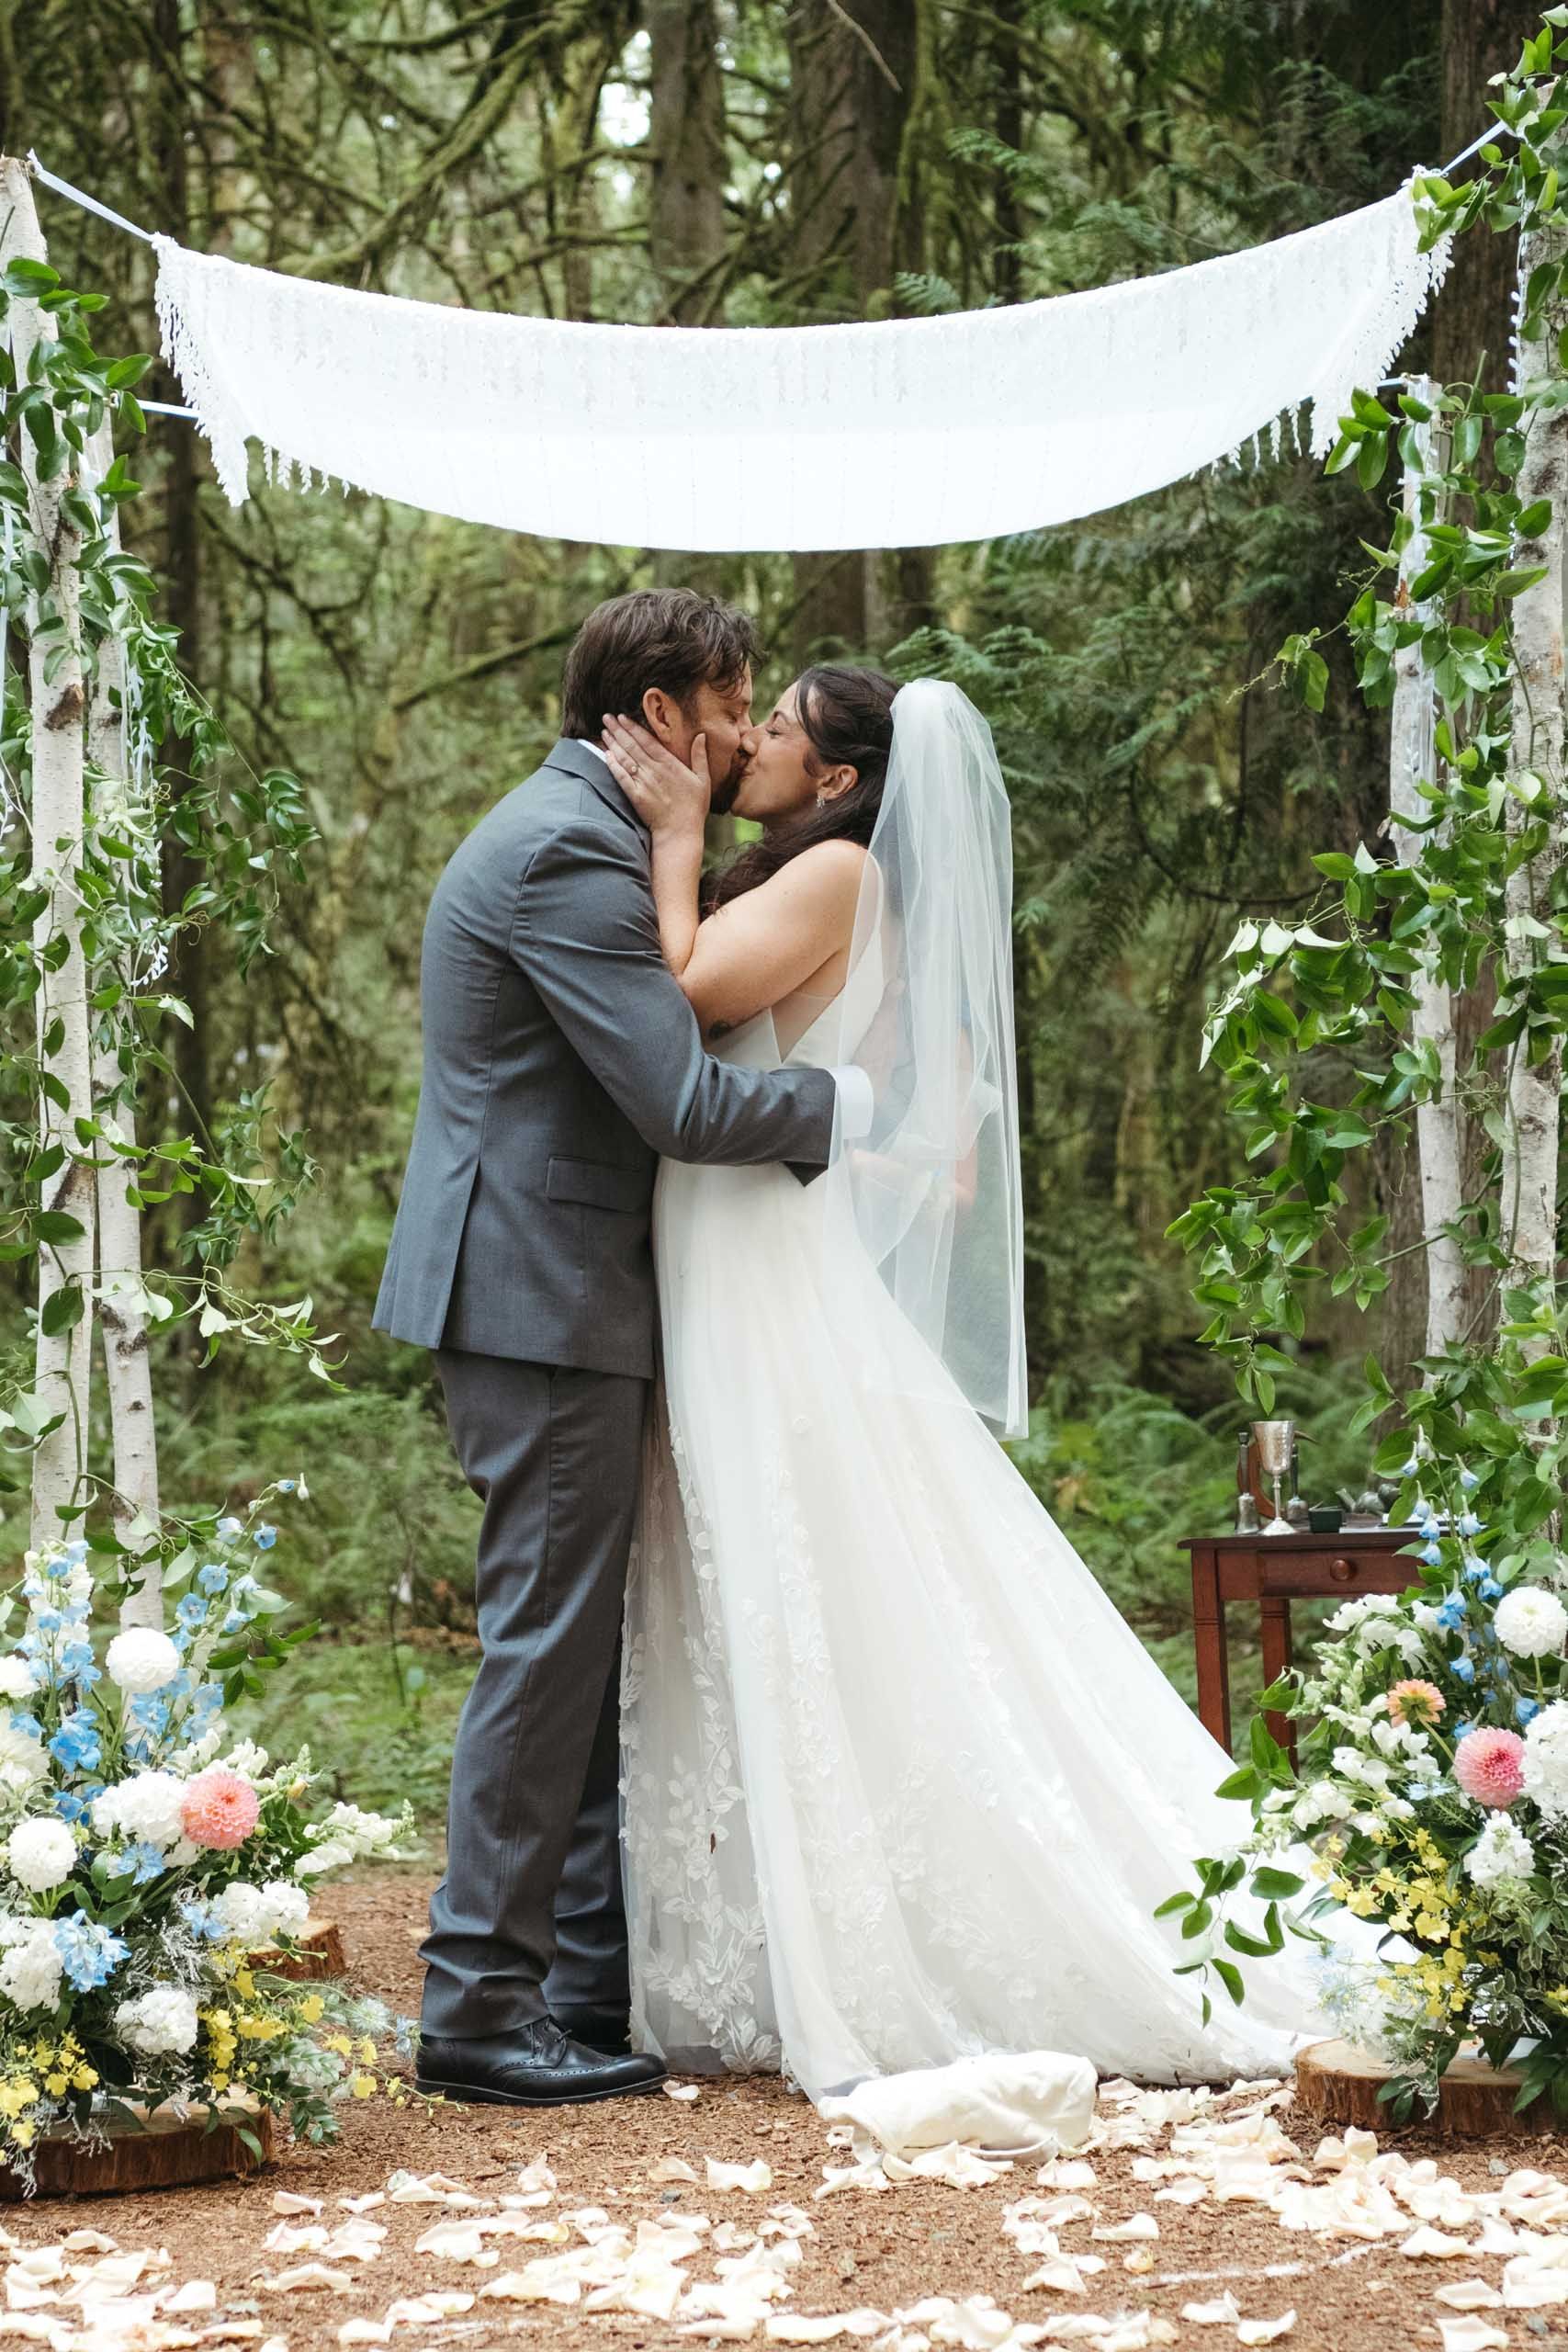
x=1273 y=1571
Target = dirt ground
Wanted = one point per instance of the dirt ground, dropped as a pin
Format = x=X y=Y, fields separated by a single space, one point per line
x=882 y=2252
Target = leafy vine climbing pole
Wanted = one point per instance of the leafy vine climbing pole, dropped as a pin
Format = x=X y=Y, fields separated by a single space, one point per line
x=1339 y=1028
x=85 y=942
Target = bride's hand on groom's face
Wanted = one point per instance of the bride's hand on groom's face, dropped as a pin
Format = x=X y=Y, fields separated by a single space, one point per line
x=668 y=796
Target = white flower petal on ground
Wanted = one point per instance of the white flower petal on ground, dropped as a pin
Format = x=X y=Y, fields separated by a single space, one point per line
x=1264 y=2331
x=285 y=2200
x=752 y=2178
x=1067 y=2172
x=670 y=2168
x=1471 y=2335
x=1224 y=2313
x=366 y=2204
x=308 y=2278
x=1436 y=2245
x=196 y=2295
x=1139 y=2225
x=679 y=2090
x=1060 y=2276
x=1469 y=2295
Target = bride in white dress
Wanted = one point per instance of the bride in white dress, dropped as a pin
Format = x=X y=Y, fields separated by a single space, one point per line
x=901 y=1785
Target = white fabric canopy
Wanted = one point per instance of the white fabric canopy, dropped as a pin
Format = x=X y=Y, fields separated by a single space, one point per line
x=903 y=433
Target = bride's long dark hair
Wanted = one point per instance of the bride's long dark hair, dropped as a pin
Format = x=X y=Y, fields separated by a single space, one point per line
x=847 y=716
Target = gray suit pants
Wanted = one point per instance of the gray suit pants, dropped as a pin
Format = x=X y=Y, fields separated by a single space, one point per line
x=530 y=1913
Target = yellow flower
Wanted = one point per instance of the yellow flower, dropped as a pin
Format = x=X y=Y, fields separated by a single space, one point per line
x=85 y=2079
x=57 y=2084
x=311 y=2009
x=341 y=2043
x=245 y=1981
x=367 y=2052
x=361 y=2085
x=24 y=2134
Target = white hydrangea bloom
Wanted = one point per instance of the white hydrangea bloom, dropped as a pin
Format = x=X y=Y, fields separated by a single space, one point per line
x=160 y=2024
x=142 y=1659
x=1530 y=1622
x=1501 y=1851
x=41 y=1854
x=1545 y=1767
x=17 y=1677
x=22 y=1761
x=291 y=1907
x=146 y=1806
x=30 y=1969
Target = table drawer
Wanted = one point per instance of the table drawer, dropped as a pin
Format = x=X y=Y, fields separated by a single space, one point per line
x=1296 y=1576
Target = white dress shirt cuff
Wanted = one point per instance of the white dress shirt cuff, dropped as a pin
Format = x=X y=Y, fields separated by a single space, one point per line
x=856 y=1102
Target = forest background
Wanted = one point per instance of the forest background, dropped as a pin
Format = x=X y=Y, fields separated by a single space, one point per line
x=750 y=162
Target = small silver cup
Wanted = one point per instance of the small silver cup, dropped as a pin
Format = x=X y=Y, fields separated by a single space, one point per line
x=1276 y=1440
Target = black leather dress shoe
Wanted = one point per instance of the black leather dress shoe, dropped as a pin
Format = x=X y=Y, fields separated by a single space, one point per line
x=534 y=2065
x=606 y=2031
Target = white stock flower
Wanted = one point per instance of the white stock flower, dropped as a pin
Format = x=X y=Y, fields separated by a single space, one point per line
x=30 y=1969
x=249 y=1760
x=1530 y=1622
x=1545 y=1765
x=142 y=1659
x=41 y=1854
x=17 y=1677
x=160 y=2024
x=147 y=1806
x=1501 y=1851
x=330 y=1855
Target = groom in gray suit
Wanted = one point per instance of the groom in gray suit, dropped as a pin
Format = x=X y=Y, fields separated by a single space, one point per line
x=560 y=1060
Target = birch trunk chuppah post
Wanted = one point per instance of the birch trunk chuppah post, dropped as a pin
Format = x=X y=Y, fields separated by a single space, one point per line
x=127 y=1364
x=1540 y=730
x=62 y=1368
x=1412 y=761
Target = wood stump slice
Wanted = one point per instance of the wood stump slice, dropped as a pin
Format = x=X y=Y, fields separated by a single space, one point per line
x=172 y=2152
x=1340 y=2083
x=320 y=1953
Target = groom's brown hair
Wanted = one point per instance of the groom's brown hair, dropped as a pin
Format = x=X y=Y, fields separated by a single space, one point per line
x=673 y=637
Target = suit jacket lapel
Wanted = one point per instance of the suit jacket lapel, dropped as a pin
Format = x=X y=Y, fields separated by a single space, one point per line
x=594 y=771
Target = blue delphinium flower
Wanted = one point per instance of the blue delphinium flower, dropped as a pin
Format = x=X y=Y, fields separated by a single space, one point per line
x=203 y=1918
x=77 y=1744
x=1469 y=1481
x=1452 y=1613
x=229 y=1528
x=235 y=1621
x=205 y=1703
x=49 y=1621
x=1460 y=1730
x=1489 y=1588
x=1468 y=1524
x=77 y=1664
x=1463 y=1668
x=191 y=1610
x=286 y=1485
x=1431 y=1552
x=69 y=1806
x=1475 y=1570
x=89 y=1954
x=143 y=1860
x=265 y=1538
x=28 y=1725
x=1524 y=1709
x=213 y=1577
x=150 y=1710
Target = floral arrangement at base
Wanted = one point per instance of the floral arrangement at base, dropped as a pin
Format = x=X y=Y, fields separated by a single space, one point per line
x=145 y=1856
x=1430 y=1798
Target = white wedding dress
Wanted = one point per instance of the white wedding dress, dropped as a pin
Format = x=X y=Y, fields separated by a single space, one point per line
x=901 y=1785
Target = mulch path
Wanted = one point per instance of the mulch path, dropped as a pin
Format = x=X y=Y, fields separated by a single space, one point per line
x=886 y=2251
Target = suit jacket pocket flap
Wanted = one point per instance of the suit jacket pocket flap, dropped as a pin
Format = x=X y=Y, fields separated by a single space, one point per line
x=598 y=1185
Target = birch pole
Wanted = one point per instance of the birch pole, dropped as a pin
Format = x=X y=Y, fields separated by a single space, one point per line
x=1539 y=727
x=62 y=1369
x=1412 y=760
x=126 y=1363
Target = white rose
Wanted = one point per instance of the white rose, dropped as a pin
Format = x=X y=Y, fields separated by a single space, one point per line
x=17 y=1677
x=160 y=2024
x=142 y=1659
x=41 y=1854
x=1531 y=1621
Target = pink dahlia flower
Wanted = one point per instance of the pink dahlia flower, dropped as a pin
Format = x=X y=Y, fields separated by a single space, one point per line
x=1489 y=1767
x=1416 y=1704
x=219 y=1808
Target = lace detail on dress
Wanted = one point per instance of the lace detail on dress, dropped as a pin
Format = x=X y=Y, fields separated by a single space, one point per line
x=706 y=1960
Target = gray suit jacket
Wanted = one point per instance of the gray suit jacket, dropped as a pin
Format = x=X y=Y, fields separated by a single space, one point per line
x=560 y=1060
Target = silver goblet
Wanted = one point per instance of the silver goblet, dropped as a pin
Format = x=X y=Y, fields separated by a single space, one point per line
x=1275 y=1440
